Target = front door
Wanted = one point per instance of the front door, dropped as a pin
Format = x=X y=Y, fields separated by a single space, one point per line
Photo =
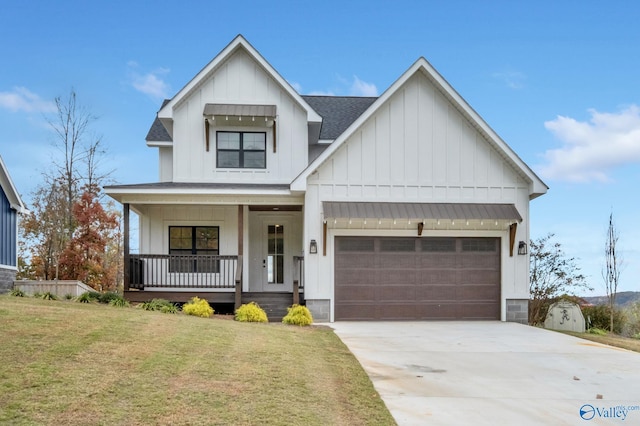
x=271 y=252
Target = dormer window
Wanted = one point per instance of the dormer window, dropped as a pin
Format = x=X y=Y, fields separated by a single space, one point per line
x=241 y=150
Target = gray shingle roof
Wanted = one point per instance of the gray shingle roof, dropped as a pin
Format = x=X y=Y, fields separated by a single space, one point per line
x=157 y=132
x=338 y=112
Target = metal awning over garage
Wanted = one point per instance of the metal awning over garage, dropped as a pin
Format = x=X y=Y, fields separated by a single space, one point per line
x=420 y=211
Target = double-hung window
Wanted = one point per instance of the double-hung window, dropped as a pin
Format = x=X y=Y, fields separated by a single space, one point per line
x=241 y=150
x=192 y=244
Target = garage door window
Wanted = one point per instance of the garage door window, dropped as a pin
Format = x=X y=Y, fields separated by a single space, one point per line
x=439 y=245
x=479 y=245
x=356 y=244
x=397 y=244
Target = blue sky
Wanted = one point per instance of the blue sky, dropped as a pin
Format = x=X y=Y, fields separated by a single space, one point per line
x=558 y=81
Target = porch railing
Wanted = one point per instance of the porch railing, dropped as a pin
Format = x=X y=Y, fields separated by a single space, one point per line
x=182 y=271
x=298 y=277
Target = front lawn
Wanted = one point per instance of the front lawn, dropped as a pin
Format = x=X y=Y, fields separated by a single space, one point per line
x=72 y=363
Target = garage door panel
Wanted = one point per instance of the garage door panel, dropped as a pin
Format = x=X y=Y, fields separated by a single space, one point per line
x=480 y=311
x=357 y=276
x=437 y=276
x=437 y=261
x=379 y=278
x=393 y=276
x=396 y=261
x=479 y=261
x=352 y=261
x=479 y=277
x=355 y=293
x=437 y=311
x=396 y=293
x=478 y=292
x=436 y=292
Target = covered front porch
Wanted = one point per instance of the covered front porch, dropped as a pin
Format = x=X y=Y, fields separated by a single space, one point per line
x=227 y=249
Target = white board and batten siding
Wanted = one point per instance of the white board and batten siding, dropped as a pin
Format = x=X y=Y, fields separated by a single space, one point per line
x=417 y=147
x=239 y=80
x=155 y=223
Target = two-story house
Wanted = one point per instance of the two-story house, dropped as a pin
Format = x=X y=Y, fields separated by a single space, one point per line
x=403 y=206
x=10 y=206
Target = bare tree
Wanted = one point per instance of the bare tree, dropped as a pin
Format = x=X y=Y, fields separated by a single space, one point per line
x=52 y=225
x=612 y=267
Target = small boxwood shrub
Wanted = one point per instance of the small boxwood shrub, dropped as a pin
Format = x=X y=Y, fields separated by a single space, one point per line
x=160 y=305
x=298 y=315
x=251 y=312
x=16 y=292
x=88 y=297
x=198 y=307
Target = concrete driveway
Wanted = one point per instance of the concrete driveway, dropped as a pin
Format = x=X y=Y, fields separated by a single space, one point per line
x=494 y=373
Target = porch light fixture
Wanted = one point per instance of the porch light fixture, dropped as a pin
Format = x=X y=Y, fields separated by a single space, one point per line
x=522 y=247
x=313 y=247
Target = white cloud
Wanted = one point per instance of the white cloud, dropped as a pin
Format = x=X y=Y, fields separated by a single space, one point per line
x=151 y=83
x=590 y=150
x=296 y=86
x=355 y=87
x=362 y=88
x=513 y=79
x=22 y=99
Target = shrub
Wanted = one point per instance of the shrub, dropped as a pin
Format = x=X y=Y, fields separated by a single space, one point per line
x=108 y=297
x=597 y=331
x=68 y=296
x=598 y=317
x=198 y=307
x=48 y=296
x=298 y=315
x=88 y=297
x=161 y=305
x=16 y=292
x=119 y=302
x=251 y=312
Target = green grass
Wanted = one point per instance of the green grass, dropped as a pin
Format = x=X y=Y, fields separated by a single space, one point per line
x=610 y=339
x=73 y=363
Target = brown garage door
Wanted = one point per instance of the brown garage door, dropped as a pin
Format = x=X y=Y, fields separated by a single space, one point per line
x=417 y=278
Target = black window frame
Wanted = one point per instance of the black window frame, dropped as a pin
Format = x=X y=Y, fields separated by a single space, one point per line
x=241 y=151
x=193 y=264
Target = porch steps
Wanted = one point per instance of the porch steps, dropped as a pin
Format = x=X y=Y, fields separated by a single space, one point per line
x=274 y=304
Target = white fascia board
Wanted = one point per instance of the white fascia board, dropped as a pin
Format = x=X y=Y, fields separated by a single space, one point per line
x=239 y=42
x=422 y=65
x=325 y=141
x=202 y=196
x=158 y=144
x=10 y=189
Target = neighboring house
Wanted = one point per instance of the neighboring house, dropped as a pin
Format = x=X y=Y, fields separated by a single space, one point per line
x=405 y=206
x=10 y=206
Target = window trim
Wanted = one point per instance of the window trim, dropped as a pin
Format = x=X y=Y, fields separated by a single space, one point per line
x=241 y=151
x=177 y=267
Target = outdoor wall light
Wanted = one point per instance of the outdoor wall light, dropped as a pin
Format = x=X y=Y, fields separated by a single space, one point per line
x=522 y=247
x=420 y=228
x=313 y=247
